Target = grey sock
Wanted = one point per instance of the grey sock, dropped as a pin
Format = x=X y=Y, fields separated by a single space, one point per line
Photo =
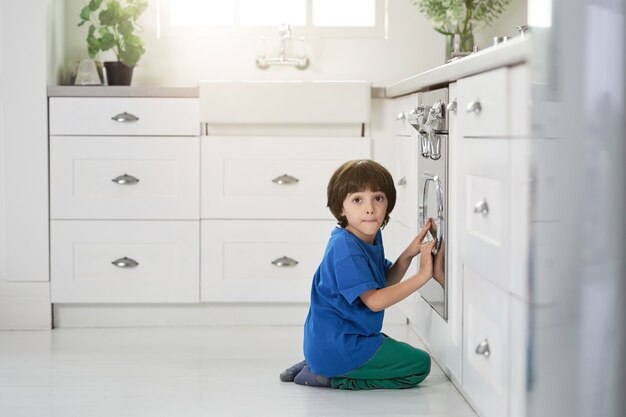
x=308 y=378
x=290 y=373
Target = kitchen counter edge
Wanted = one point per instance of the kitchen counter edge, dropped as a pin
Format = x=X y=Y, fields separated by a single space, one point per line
x=513 y=52
x=121 y=91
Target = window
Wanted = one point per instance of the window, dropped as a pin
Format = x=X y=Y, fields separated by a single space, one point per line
x=311 y=18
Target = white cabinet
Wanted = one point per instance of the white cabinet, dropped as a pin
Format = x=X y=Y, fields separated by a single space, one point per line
x=486 y=354
x=124 y=116
x=24 y=237
x=404 y=107
x=405 y=211
x=124 y=177
x=493 y=189
x=124 y=198
x=272 y=177
x=124 y=261
x=256 y=260
x=265 y=223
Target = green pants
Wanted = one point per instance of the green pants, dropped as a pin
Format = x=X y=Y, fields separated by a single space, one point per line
x=395 y=365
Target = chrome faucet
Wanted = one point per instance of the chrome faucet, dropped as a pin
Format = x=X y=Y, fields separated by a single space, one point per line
x=301 y=61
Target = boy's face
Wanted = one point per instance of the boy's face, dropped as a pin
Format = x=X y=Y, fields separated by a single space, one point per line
x=365 y=212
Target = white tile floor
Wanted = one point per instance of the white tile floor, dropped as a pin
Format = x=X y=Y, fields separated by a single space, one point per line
x=179 y=372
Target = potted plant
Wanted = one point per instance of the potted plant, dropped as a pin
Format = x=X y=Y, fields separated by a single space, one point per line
x=113 y=26
x=460 y=17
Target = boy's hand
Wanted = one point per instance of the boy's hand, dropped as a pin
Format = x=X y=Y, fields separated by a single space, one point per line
x=426 y=259
x=415 y=246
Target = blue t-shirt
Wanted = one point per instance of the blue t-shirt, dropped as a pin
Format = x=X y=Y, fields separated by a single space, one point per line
x=341 y=333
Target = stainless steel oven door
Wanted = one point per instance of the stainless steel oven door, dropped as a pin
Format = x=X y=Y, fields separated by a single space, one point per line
x=433 y=199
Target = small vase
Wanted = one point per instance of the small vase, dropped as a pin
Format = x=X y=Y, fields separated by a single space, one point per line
x=459 y=44
x=118 y=73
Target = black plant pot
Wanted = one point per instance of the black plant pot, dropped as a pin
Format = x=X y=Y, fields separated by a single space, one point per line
x=118 y=73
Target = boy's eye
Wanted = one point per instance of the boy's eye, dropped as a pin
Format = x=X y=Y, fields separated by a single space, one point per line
x=357 y=200
x=380 y=198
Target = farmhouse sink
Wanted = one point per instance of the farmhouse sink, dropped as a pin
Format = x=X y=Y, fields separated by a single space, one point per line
x=280 y=102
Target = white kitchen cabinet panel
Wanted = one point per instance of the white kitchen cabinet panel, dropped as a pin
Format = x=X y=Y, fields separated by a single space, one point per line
x=405 y=107
x=484 y=190
x=268 y=261
x=94 y=261
x=483 y=104
x=124 y=178
x=125 y=116
x=406 y=209
x=272 y=178
x=486 y=350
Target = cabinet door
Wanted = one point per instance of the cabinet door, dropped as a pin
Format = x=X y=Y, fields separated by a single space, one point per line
x=272 y=178
x=406 y=209
x=124 y=178
x=124 y=261
x=483 y=104
x=261 y=261
x=484 y=215
x=486 y=348
x=24 y=249
x=403 y=108
x=125 y=116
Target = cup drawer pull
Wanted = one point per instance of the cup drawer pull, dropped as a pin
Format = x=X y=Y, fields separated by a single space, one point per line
x=483 y=348
x=285 y=180
x=482 y=207
x=402 y=182
x=125 y=118
x=125 y=179
x=125 y=263
x=284 y=261
x=474 y=107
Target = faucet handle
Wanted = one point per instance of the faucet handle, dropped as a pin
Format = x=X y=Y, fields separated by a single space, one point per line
x=284 y=30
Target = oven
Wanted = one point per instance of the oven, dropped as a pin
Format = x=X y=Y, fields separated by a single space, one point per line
x=431 y=122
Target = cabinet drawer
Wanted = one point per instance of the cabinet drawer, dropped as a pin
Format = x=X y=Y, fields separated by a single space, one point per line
x=485 y=207
x=402 y=107
x=489 y=91
x=406 y=179
x=486 y=350
x=270 y=178
x=83 y=252
x=96 y=178
x=116 y=116
x=255 y=260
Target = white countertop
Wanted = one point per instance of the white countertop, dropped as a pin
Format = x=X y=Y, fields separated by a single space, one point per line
x=121 y=91
x=515 y=51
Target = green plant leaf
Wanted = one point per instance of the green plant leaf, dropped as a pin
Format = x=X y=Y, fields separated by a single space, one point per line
x=94 y=5
x=85 y=13
x=125 y=28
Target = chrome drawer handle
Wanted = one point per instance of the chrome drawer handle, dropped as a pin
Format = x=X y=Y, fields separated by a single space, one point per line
x=401 y=116
x=482 y=207
x=125 y=179
x=285 y=180
x=451 y=106
x=125 y=118
x=402 y=182
x=284 y=261
x=474 y=107
x=483 y=348
x=125 y=263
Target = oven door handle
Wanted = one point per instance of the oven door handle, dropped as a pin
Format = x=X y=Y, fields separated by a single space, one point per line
x=440 y=204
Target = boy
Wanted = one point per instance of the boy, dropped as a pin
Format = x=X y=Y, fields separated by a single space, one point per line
x=343 y=345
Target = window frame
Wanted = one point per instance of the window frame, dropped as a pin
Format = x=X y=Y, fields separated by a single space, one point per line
x=308 y=31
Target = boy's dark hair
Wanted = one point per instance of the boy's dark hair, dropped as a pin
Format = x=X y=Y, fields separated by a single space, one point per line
x=359 y=175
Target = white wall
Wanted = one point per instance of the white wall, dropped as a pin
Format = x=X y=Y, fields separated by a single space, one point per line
x=412 y=47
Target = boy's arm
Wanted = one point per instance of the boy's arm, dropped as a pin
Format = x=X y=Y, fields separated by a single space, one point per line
x=400 y=266
x=380 y=299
